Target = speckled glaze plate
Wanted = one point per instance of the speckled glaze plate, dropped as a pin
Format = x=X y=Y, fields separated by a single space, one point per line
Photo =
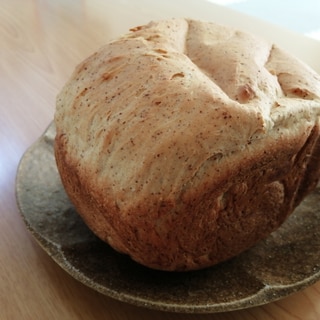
x=287 y=261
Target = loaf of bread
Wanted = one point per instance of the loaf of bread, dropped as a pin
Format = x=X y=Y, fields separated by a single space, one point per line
x=184 y=142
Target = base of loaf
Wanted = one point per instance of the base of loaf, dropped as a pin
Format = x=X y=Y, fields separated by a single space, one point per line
x=209 y=226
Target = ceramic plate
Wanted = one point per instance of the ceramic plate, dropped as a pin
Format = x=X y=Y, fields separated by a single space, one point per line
x=287 y=261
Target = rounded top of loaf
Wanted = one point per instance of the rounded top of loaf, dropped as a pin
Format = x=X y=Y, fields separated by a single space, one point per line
x=148 y=109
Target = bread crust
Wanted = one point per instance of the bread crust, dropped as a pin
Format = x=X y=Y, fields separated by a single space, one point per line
x=184 y=142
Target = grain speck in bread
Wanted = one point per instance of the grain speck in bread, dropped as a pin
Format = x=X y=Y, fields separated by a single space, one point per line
x=184 y=142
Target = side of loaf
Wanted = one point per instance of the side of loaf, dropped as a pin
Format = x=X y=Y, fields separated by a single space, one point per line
x=184 y=142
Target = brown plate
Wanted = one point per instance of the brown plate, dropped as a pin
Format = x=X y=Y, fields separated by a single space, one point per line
x=287 y=261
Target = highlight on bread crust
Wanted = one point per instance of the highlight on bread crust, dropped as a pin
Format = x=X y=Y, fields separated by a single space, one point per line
x=183 y=142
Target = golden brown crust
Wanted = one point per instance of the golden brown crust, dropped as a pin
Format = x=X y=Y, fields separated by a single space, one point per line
x=184 y=143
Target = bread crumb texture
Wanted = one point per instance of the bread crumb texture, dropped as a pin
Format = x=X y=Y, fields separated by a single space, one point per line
x=183 y=142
